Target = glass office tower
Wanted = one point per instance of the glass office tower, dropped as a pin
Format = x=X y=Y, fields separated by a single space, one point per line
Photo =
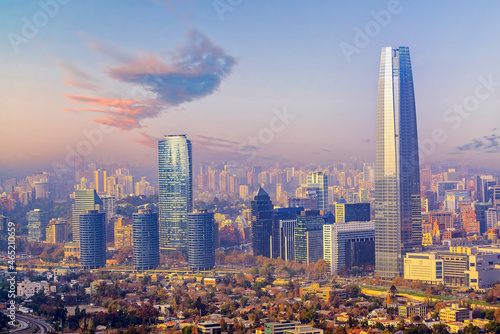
x=261 y=210
x=175 y=192
x=398 y=227
x=146 y=240
x=201 y=248
x=92 y=239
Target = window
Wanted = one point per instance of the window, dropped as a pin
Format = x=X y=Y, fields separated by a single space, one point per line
x=490 y=263
x=473 y=280
x=472 y=265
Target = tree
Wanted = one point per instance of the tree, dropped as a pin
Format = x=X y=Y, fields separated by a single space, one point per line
x=440 y=328
x=472 y=329
x=254 y=271
x=497 y=314
x=493 y=327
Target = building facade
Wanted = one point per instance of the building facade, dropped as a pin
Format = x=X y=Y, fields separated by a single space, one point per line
x=201 y=248
x=175 y=191
x=57 y=231
x=85 y=199
x=92 y=239
x=347 y=245
x=37 y=224
x=397 y=175
x=261 y=211
x=308 y=243
x=146 y=240
x=319 y=182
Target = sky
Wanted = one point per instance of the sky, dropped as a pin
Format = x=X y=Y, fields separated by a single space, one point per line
x=290 y=81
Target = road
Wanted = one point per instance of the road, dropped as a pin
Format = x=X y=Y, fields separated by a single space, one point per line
x=42 y=324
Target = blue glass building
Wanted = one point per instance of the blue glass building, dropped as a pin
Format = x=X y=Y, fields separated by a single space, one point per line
x=398 y=227
x=175 y=192
x=146 y=240
x=201 y=247
x=261 y=211
x=92 y=239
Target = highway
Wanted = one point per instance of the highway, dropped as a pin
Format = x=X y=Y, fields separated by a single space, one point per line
x=45 y=327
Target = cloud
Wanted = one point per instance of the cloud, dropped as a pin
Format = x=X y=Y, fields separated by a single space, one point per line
x=147 y=140
x=225 y=145
x=485 y=144
x=156 y=83
x=75 y=77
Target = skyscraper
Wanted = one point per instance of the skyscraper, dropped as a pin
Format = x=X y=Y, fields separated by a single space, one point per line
x=146 y=240
x=92 y=239
x=319 y=182
x=201 y=248
x=175 y=192
x=308 y=237
x=37 y=223
x=86 y=199
x=397 y=179
x=261 y=209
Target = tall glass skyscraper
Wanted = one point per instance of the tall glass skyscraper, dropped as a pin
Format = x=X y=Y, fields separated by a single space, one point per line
x=175 y=192
x=92 y=239
x=398 y=227
x=201 y=248
x=261 y=211
x=146 y=240
x=85 y=199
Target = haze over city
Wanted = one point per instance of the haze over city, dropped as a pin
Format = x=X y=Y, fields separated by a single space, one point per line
x=220 y=73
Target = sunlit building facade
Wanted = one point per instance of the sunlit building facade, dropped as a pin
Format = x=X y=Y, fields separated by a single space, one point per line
x=175 y=192
x=397 y=175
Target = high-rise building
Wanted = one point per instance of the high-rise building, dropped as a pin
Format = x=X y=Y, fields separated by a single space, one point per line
x=397 y=175
x=57 y=231
x=491 y=218
x=262 y=223
x=37 y=223
x=124 y=233
x=319 y=182
x=444 y=186
x=284 y=222
x=175 y=192
x=108 y=207
x=92 y=239
x=146 y=240
x=350 y=244
x=308 y=236
x=85 y=199
x=201 y=248
x=483 y=184
x=352 y=212
x=100 y=181
x=480 y=209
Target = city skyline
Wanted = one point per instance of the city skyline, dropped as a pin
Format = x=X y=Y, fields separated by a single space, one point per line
x=457 y=111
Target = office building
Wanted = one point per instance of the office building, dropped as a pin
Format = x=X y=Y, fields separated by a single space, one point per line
x=175 y=192
x=454 y=313
x=308 y=236
x=108 y=207
x=279 y=327
x=348 y=245
x=480 y=210
x=491 y=218
x=37 y=224
x=85 y=199
x=57 y=231
x=261 y=210
x=444 y=186
x=303 y=329
x=318 y=181
x=124 y=232
x=284 y=222
x=410 y=310
x=146 y=240
x=92 y=239
x=352 y=212
x=397 y=175
x=469 y=220
x=483 y=185
x=201 y=248
x=100 y=181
